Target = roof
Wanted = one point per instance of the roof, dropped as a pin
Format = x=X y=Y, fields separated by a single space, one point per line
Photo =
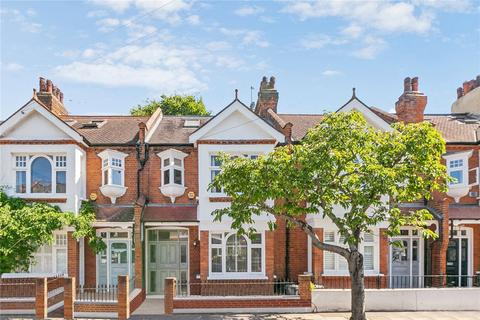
x=460 y=128
x=301 y=123
x=464 y=212
x=172 y=213
x=171 y=129
x=114 y=130
x=114 y=213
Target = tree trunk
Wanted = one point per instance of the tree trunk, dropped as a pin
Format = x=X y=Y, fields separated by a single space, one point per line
x=355 y=266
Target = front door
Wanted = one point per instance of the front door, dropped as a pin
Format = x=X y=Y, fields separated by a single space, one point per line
x=167 y=257
x=405 y=263
x=118 y=260
x=457 y=262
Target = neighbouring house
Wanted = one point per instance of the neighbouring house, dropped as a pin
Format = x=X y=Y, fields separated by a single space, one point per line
x=149 y=176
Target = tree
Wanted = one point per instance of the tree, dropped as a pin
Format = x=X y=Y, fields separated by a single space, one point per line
x=25 y=227
x=175 y=105
x=342 y=163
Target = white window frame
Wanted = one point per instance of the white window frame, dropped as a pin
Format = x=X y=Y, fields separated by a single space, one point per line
x=108 y=158
x=171 y=155
x=337 y=258
x=29 y=158
x=54 y=253
x=211 y=168
x=235 y=275
x=460 y=156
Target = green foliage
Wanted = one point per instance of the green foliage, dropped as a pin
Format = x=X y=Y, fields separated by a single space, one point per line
x=25 y=227
x=174 y=105
x=341 y=163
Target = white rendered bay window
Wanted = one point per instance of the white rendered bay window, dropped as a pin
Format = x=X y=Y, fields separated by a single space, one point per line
x=51 y=258
x=40 y=174
x=172 y=173
x=233 y=255
x=335 y=264
x=113 y=174
x=457 y=169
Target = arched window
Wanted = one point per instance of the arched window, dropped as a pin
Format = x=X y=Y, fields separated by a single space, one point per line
x=236 y=254
x=41 y=175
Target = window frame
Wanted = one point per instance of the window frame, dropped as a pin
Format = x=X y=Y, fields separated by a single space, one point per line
x=108 y=158
x=339 y=261
x=211 y=167
x=171 y=155
x=53 y=255
x=225 y=235
x=27 y=168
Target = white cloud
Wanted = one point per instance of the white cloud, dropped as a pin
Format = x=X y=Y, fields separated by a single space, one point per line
x=248 y=11
x=218 y=45
x=193 y=19
x=378 y=15
x=352 y=31
x=317 y=41
x=89 y=53
x=22 y=19
x=108 y=24
x=167 y=10
x=248 y=37
x=97 y=14
x=70 y=54
x=447 y=5
x=372 y=47
x=14 y=67
x=330 y=73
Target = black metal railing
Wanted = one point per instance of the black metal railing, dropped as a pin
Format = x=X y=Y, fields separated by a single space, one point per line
x=99 y=293
x=399 y=282
x=227 y=288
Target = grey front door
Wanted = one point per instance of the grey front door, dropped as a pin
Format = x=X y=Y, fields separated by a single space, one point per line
x=405 y=263
x=167 y=257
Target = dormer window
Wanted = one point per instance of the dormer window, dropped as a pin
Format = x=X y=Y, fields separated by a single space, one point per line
x=172 y=169
x=113 y=174
x=40 y=174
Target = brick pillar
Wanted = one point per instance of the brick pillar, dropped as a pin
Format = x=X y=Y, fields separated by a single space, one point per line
x=41 y=299
x=269 y=254
x=169 y=293
x=304 y=287
x=317 y=257
x=138 y=248
x=440 y=245
x=384 y=257
x=123 y=299
x=203 y=255
x=72 y=251
x=69 y=298
x=280 y=248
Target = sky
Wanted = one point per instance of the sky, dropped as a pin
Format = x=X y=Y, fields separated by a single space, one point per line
x=108 y=56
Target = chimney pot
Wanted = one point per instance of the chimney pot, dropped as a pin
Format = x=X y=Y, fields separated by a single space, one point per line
x=61 y=97
x=459 y=92
x=42 y=86
x=407 y=84
x=272 y=82
x=466 y=87
x=415 y=84
x=49 y=85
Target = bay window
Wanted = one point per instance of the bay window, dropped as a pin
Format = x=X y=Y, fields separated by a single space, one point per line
x=113 y=174
x=51 y=258
x=40 y=174
x=336 y=264
x=457 y=169
x=172 y=173
x=232 y=255
x=215 y=164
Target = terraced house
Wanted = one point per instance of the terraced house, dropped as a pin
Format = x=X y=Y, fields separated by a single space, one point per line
x=149 y=177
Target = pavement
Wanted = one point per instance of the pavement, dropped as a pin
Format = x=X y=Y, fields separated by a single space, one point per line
x=428 y=315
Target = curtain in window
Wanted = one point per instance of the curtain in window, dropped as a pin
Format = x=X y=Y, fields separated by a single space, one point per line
x=236 y=257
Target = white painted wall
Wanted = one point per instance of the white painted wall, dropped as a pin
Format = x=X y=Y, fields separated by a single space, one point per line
x=76 y=172
x=432 y=299
x=36 y=127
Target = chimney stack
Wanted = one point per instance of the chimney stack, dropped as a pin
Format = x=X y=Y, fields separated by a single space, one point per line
x=267 y=97
x=141 y=132
x=51 y=97
x=468 y=97
x=411 y=104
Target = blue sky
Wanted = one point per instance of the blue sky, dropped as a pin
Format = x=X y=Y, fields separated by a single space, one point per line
x=107 y=56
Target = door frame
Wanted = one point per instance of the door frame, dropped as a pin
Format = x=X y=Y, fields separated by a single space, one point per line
x=421 y=257
x=468 y=236
x=108 y=241
x=147 y=258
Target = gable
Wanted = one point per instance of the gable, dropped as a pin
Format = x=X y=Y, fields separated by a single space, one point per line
x=373 y=119
x=34 y=122
x=236 y=122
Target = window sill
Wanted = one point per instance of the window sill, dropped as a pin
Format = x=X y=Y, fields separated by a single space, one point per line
x=172 y=191
x=45 y=200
